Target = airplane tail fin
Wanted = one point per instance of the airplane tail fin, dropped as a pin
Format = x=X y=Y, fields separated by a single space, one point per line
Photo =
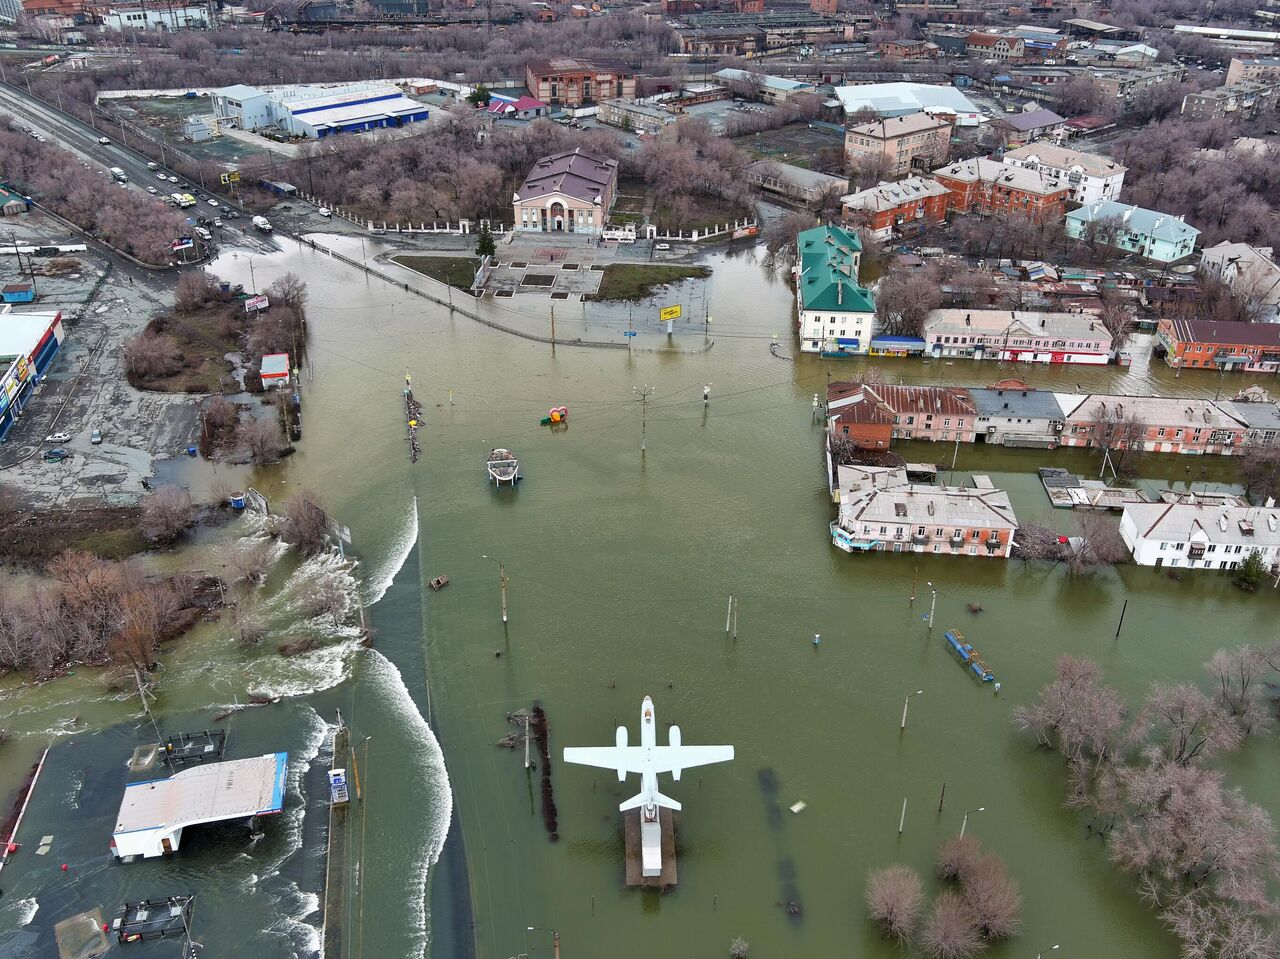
x=637 y=802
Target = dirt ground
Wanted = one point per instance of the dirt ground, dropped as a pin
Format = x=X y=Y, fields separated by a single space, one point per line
x=795 y=144
x=33 y=537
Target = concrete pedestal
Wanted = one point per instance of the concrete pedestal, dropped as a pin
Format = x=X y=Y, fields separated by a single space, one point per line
x=635 y=853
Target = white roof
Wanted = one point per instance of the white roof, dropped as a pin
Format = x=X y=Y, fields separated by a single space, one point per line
x=21 y=333
x=1015 y=323
x=275 y=364
x=1204 y=522
x=896 y=99
x=209 y=793
x=887 y=196
x=1063 y=159
x=879 y=495
x=1003 y=174
x=1152 y=410
x=239 y=91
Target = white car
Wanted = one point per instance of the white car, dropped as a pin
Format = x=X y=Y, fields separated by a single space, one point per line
x=325 y=211
x=103 y=140
x=152 y=190
x=662 y=246
x=173 y=179
x=212 y=202
x=58 y=438
x=163 y=176
x=217 y=222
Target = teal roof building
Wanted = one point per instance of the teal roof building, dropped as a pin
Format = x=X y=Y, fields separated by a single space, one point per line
x=836 y=313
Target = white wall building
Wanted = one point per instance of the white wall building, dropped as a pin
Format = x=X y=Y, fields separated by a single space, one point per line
x=1017 y=335
x=1194 y=535
x=1090 y=177
x=158 y=17
x=317 y=111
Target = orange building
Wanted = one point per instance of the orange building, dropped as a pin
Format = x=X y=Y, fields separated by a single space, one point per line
x=571 y=82
x=986 y=186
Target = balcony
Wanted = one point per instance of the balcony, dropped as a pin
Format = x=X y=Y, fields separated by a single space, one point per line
x=921 y=540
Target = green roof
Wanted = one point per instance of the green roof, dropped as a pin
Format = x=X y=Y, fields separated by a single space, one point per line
x=828 y=274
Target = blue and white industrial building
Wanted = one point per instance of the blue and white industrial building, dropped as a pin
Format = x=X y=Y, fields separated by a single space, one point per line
x=28 y=344
x=317 y=111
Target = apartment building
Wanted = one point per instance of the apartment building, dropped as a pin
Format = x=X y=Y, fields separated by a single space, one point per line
x=835 y=313
x=1089 y=177
x=1019 y=336
x=987 y=186
x=1154 y=236
x=881 y=511
x=909 y=143
x=907 y=206
x=1253 y=70
x=1209 y=344
x=1234 y=102
x=1197 y=535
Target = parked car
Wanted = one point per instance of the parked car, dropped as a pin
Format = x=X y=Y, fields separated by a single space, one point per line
x=217 y=221
x=212 y=202
x=231 y=214
x=153 y=165
x=56 y=455
x=173 y=179
x=662 y=246
x=58 y=438
x=95 y=437
x=152 y=190
x=325 y=211
x=378 y=231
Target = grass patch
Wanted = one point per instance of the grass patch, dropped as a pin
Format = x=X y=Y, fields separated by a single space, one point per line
x=204 y=336
x=637 y=281
x=457 y=271
x=32 y=538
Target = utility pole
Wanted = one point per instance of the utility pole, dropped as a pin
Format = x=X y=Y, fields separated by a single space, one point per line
x=706 y=396
x=1123 y=609
x=644 y=394
x=553 y=324
x=933 y=602
x=502 y=584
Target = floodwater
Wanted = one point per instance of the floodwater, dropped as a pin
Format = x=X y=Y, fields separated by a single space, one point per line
x=620 y=564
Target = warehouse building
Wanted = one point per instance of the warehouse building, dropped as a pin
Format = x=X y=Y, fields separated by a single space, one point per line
x=28 y=344
x=317 y=111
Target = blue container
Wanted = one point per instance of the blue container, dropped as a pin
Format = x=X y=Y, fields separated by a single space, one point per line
x=236 y=500
x=192 y=451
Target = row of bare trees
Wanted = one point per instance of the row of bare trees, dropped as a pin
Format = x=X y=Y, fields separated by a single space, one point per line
x=980 y=905
x=144 y=228
x=90 y=610
x=1201 y=853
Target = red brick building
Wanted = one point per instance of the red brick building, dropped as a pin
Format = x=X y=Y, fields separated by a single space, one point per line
x=571 y=82
x=855 y=413
x=933 y=413
x=908 y=49
x=906 y=207
x=1208 y=344
x=826 y=8
x=986 y=186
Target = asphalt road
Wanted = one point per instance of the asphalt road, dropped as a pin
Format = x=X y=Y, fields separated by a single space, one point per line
x=80 y=138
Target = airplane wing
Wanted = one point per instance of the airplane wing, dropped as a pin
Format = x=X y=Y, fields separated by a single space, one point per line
x=623 y=758
x=668 y=758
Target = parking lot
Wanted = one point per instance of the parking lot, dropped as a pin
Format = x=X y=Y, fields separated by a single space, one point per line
x=85 y=389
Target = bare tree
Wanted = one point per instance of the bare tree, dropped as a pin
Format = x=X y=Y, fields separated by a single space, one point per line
x=993 y=899
x=868 y=171
x=949 y=932
x=166 y=513
x=1075 y=714
x=261 y=437
x=1033 y=541
x=152 y=355
x=249 y=562
x=304 y=523
x=1117 y=319
x=195 y=289
x=894 y=897
x=1259 y=470
x=1238 y=689
x=780 y=235
x=904 y=300
x=1097 y=542
x=739 y=948
x=957 y=858
x=328 y=596
x=289 y=290
x=1187 y=724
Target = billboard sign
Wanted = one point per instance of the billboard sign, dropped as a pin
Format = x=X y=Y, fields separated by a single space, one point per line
x=259 y=302
x=669 y=313
x=183 y=243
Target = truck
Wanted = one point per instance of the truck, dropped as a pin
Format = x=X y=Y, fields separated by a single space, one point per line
x=261 y=223
x=118 y=175
x=186 y=200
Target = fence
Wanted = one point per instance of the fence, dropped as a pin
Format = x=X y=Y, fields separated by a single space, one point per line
x=736 y=229
x=485 y=321
x=461 y=228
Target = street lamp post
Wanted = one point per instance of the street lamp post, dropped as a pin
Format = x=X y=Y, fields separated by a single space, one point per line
x=502 y=582
x=933 y=602
x=905 y=703
x=966 y=818
x=1039 y=955
x=555 y=938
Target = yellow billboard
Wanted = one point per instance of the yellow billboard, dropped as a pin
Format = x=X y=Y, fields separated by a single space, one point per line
x=669 y=313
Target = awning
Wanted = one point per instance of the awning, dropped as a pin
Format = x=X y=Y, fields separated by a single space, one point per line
x=897 y=343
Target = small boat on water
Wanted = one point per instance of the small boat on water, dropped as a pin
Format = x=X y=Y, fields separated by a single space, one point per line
x=503 y=467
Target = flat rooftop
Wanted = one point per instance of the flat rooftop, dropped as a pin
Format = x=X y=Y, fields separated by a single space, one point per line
x=21 y=333
x=217 y=791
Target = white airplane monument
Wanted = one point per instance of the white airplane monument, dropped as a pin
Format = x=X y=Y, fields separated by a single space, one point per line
x=648 y=759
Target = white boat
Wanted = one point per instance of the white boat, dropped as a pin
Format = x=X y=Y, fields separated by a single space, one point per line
x=503 y=467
